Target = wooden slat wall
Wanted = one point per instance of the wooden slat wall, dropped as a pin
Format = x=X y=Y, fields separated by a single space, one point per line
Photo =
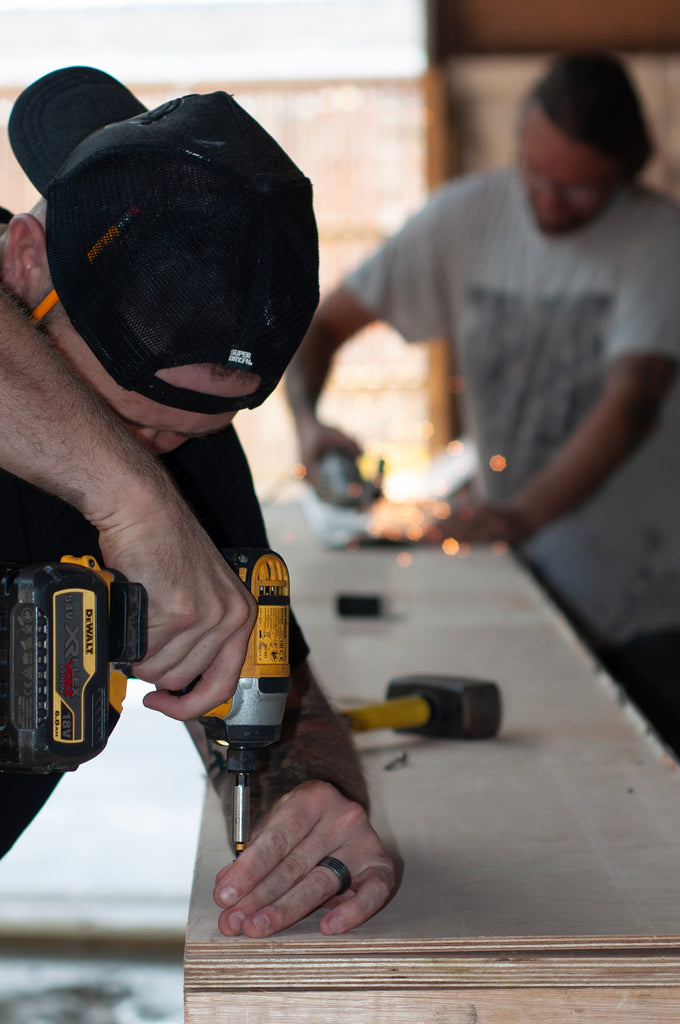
x=440 y=162
x=525 y=26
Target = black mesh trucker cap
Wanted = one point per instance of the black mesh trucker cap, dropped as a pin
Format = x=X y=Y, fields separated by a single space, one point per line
x=179 y=235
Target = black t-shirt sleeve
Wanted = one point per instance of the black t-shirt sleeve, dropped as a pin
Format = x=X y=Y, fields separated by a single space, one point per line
x=37 y=527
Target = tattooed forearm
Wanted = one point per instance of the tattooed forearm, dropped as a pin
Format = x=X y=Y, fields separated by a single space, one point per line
x=314 y=744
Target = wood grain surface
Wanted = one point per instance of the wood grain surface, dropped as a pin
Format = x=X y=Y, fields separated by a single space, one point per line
x=540 y=868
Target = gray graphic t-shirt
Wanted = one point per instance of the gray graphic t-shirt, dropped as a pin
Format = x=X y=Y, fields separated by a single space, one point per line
x=516 y=354
x=534 y=322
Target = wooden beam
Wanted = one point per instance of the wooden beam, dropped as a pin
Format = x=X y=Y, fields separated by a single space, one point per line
x=440 y=140
x=525 y=26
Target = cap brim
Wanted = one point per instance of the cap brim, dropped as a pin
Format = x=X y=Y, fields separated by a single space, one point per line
x=58 y=111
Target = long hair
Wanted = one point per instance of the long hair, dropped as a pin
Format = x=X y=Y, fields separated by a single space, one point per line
x=591 y=99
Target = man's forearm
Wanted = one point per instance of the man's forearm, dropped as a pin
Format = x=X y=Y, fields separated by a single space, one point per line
x=581 y=466
x=56 y=433
x=607 y=436
x=314 y=745
x=307 y=373
x=610 y=432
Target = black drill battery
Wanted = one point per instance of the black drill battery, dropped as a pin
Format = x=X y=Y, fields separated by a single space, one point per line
x=66 y=629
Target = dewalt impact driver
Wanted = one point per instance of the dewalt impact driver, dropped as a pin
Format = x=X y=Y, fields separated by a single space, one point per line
x=69 y=632
x=252 y=718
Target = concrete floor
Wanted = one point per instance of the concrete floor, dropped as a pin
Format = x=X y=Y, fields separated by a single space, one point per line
x=105 y=869
x=48 y=990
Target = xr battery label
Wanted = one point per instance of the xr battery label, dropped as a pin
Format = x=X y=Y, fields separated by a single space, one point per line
x=74 y=661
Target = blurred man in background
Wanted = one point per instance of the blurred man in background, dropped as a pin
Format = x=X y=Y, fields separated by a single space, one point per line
x=556 y=283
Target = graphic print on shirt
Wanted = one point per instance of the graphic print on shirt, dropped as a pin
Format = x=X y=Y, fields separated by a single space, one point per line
x=534 y=368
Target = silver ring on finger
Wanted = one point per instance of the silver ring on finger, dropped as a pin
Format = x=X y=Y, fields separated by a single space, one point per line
x=340 y=870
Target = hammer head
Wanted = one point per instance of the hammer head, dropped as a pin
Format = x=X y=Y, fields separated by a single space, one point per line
x=462 y=708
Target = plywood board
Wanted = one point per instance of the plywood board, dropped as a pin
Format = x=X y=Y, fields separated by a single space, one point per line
x=540 y=868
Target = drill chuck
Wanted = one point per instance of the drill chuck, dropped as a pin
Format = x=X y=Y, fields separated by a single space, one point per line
x=252 y=718
x=255 y=714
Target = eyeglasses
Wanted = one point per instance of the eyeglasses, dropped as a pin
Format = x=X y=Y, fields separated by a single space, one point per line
x=574 y=195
